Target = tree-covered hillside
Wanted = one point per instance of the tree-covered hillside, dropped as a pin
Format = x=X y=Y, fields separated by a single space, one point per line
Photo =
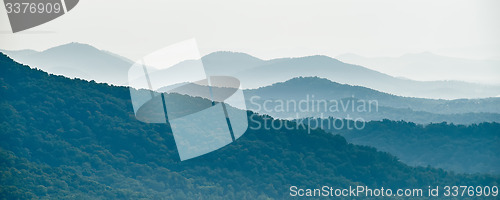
x=72 y=139
x=461 y=148
x=472 y=149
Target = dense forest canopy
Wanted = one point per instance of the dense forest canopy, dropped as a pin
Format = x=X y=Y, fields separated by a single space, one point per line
x=461 y=148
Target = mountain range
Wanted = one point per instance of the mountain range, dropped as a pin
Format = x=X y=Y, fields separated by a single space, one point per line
x=65 y=138
x=279 y=70
x=329 y=99
x=87 y=62
x=77 y=60
x=324 y=89
x=103 y=66
x=427 y=66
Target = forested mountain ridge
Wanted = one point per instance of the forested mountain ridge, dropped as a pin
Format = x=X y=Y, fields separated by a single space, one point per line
x=472 y=149
x=321 y=88
x=460 y=148
x=72 y=139
x=323 y=95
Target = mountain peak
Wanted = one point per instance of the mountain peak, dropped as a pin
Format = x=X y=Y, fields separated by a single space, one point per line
x=311 y=82
x=230 y=56
x=320 y=58
x=311 y=79
x=227 y=62
x=73 y=47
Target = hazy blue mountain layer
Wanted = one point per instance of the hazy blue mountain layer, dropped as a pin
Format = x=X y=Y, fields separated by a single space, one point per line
x=89 y=63
x=428 y=66
x=77 y=60
x=332 y=99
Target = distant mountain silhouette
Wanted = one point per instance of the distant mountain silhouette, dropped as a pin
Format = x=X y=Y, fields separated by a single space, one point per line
x=87 y=62
x=225 y=62
x=428 y=66
x=419 y=110
x=254 y=73
x=279 y=70
x=321 y=88
x=77 y=60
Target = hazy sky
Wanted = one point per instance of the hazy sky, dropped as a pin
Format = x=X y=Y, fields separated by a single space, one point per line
x=270 y=29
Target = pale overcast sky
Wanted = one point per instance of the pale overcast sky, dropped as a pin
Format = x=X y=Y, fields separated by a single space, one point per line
x=270 y=29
